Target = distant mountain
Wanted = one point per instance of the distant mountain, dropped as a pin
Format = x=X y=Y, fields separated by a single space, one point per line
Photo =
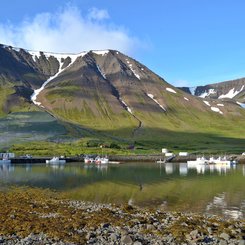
x=234 y=89
x=106 y=93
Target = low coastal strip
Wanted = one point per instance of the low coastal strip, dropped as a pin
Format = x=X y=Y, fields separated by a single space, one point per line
x=36 y=216
x=128 y=158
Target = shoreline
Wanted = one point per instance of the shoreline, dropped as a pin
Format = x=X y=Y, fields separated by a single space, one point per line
x=240 y=159
x=31 y=216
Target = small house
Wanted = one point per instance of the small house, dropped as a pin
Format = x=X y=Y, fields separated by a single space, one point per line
x=183 y=154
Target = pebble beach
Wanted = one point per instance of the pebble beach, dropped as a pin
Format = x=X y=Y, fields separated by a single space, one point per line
x=34 y=216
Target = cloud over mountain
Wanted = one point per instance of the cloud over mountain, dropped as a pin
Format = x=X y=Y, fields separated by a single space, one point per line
x=69 y=30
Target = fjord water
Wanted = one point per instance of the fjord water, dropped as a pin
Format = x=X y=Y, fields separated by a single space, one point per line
x=205 y=189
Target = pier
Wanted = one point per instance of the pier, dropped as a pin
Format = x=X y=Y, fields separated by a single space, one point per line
x=19 y=160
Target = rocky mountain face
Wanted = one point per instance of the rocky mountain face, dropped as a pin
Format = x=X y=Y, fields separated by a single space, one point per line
x=234 y=89
x=109 y=93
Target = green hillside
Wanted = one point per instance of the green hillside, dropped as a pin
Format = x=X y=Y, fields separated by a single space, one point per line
x=107 y=98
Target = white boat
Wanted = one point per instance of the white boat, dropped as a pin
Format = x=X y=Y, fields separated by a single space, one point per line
x=160 y=161
x=88 y=160
x=198 y=161
x=5 y=159
x=56 y=160
x=219 y=160
x=101 y=160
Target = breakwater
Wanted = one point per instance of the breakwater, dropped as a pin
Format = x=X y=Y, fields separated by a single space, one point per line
x=126 y=158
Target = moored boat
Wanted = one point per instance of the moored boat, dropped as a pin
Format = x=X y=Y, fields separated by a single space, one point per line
x=88 y=160
x=5 y=159
x=160 y=161
x=101 y=160
x=198 y=161
x=56 y=160
x=219 y=160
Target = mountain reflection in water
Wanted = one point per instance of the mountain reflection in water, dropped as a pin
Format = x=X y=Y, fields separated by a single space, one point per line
x=210 y=189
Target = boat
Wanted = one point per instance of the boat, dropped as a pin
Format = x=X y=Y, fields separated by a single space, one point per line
x=198 y=161
x=101 y=160
x=88 y=160
x=5 y=159
x=161 y=161
x=219 y=160
x=114 y=162
x=56 y=160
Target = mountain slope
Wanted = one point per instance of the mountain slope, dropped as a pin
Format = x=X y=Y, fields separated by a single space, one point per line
x=109 y=93
x=234 y=89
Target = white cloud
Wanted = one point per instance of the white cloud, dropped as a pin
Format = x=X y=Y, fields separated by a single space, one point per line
x=69 y=31
x=98 y=14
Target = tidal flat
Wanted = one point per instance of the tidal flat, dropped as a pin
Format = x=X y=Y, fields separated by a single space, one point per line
x=40 y=216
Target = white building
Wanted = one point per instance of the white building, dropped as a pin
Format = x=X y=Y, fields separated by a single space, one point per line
x=183 y=154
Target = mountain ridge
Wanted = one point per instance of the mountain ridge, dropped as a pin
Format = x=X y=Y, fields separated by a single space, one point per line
x=110 y=94
x=232 y=89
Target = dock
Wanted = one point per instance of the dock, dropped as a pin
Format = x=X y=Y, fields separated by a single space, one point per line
x=19 y=160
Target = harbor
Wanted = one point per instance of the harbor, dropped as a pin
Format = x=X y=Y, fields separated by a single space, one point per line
x=116 y=159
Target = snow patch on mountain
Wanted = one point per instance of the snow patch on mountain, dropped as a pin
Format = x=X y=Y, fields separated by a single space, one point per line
x=101 y=52
x=59 y=57
x=152 y=97
x=171 y=90
x=207 y=93
x=134 y=72
x=186 y=99
x=220 y=104
x=102 y=74
x=216 y=109
x=231 y=94
x=128 y=109
x=241 y=104
x=206 y=102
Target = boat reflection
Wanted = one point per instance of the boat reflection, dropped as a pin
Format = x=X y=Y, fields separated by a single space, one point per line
x=99 y=167
x=6 y=168
x=219 y=205
x=183 y=170
x=200 y=168
x=56 y=166
x=169 y=168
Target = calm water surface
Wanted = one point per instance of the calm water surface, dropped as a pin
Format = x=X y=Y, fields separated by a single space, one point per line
x=206 y=189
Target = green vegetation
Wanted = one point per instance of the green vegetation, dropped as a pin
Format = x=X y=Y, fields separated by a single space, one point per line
x=85 y=146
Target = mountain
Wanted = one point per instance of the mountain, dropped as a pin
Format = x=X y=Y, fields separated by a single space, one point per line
x=234 y=89
x=106 y=94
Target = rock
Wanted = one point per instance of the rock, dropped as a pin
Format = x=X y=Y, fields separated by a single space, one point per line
x=126 y=240
x=150 y=227
x=207 y=240
x=113 y=237
x=87 y=236
x=194 y=234
x=12 y=216
x=107 y=225
x=225 y=236
x=124 y=232
x=242 y=242
x=137 y=243
x=223 y=242
x=93 y=240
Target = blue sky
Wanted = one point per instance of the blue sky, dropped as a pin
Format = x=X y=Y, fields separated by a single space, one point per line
x=187 y=42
